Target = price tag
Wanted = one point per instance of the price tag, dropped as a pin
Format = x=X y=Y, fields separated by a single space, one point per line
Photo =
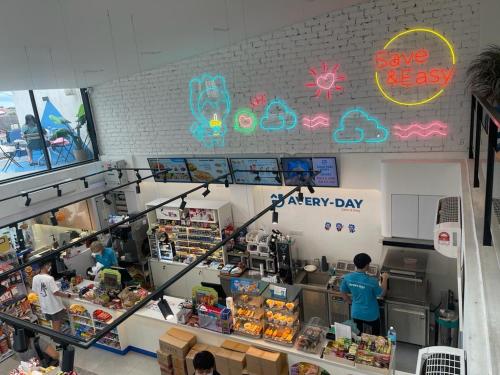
x=278 y=291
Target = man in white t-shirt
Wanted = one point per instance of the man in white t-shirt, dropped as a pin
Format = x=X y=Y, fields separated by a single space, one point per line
x=49 y=296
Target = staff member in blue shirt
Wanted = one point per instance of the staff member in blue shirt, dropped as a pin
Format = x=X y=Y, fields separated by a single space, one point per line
x=362 y=291
x=104 y=255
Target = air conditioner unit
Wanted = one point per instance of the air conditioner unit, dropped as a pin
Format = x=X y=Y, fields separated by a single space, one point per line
x=441 y=360
x=448 y=227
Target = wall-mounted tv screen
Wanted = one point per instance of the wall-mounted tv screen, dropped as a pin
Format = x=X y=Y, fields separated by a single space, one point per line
x=177 y=170
x=299 y=171
x=206 y=169
x=264 y=171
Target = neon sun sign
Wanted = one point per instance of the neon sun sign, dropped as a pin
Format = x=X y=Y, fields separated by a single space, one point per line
x=406 y=70
x=326 y=81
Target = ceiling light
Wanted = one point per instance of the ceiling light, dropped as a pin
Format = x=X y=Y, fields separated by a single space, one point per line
x=138 y=175
x=257 y=178
x=28 y=200
x=165 y=309
x=59 y=191
x=275 y=216
x=182 y=205
x=226 y=182
x=138 y=188
x=277 y=178
x=300 y=197
x=53 y=219
x=310 y=188
x=85 y=183
x=106 y=200
x=120 y=174
x=206 y=192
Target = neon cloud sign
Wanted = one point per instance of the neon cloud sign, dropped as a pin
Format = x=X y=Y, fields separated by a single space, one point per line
x=320 y=120
x=210 y=104
x=399 y=71
x=258 y=100
x=245 y=121
x=357 y=126
x=278 y=116
x=431 y=129
x=326 y=80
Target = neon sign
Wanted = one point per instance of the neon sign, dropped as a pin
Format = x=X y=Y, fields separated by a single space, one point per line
x=321 y=120
x=404 y=70
x=357 y=126
x=245 y=121
x=258 y=100
x=434 y=128
x=278 y=116
x=326 y=80
x=210 y=104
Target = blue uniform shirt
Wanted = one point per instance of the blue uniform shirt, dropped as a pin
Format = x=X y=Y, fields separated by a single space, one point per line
x=107 y=258
x=364 y=291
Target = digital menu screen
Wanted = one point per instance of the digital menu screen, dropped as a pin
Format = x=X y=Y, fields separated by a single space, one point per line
x=177 y=170
x=298 y=171
x=206 y=169
x=248 y=171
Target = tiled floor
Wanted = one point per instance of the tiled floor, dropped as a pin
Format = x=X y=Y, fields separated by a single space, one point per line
x=102 y=362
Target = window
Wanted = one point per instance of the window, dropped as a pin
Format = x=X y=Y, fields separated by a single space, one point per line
x=42 y=130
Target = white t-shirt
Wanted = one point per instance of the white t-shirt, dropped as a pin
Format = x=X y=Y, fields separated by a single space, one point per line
x=45 y=286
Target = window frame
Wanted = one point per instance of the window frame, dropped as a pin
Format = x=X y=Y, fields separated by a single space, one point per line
x=91 y=131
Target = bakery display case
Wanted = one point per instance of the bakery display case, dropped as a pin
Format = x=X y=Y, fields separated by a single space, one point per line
x=248 y=297
x=312 y=336
x=282 y=321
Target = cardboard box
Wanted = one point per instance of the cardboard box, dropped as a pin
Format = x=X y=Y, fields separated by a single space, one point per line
x=237 y=363
x=164 y=359
x=261 y=362
x=180 y=370
x=174 y=346
x=253 y=361
x=222 y=358
x=235 y=346
x=182 y=335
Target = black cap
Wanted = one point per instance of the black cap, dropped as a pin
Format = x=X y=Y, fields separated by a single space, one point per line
x=204 y=360
x=362 y=260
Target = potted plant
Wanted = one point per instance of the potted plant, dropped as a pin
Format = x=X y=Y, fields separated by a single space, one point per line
x=483 y=75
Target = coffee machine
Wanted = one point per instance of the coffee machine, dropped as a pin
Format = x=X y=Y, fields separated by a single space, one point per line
x=285 y=254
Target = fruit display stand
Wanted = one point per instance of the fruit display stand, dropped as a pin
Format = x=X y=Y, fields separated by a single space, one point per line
x=248 y=297
x=282 y=314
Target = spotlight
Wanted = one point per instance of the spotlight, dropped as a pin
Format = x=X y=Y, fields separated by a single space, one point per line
x=165 y=177
x=275 y=216
x=28 y=200
x=183 y=204
x=20 y=343
x=226 y=182
x=206 y=192
x=257 y=178
x=59 y=191
x=138 y=175
x=53 y=219
x=106 y=200
x=85 y=183
x=165 y=309
x=138 y=188
x=310 y=188
x=277 y=178
x=300 y=197
x=120 y=174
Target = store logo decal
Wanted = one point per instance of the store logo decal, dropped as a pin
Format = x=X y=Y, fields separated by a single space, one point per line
x=318 y=202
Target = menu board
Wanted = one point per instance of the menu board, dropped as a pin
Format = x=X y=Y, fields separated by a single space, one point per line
x=205 y=170
x=177 y=169
x=256 y=171
x=295 y=171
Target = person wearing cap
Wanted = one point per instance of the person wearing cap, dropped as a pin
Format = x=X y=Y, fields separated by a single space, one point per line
x=362 y=291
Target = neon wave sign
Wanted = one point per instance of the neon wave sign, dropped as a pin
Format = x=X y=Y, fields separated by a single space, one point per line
x=431 y=129
x=320 y=120
x=326 y=80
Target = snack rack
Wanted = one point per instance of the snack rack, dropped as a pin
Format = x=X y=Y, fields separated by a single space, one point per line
x=248 y=296
x=210 y=316
x=282 y=321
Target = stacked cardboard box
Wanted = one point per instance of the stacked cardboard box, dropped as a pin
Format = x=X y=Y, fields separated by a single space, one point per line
x=262 y=362
x=174 y=346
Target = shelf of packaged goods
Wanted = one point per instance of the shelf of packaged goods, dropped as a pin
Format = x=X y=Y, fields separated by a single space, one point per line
x=6 y=355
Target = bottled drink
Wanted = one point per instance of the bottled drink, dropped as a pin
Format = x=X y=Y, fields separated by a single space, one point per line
x=391 y=335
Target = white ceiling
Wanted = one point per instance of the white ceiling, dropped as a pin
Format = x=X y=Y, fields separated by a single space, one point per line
x=68 y=43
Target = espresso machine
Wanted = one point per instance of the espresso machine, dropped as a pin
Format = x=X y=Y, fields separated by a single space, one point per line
x=285 y=255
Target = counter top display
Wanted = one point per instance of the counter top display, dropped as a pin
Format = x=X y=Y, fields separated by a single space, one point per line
x=248 y=305
x=311 y=337
x=282 y=314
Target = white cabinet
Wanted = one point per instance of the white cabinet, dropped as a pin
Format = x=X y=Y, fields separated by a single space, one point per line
x=413 y=216
x=404 y=216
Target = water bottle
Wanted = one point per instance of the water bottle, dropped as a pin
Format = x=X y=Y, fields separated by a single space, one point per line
x=391 y=335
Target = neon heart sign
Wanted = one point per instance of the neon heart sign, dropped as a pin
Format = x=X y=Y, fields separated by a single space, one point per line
x=325 y=81
x=245 y=121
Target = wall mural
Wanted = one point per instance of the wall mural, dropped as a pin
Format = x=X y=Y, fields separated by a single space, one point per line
x=326 y=80
x=357 y=126
x=278 y=116
x=210 y=104
x=245 y=121
x=418 y=130
x=401 y=75
x=320 y=120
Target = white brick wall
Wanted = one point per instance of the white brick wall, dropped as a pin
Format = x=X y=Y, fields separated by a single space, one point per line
x=148 y=114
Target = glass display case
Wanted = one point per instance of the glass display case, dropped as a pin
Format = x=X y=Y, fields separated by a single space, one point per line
x=282 y=321
x=248 y=297
x=312 y=336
